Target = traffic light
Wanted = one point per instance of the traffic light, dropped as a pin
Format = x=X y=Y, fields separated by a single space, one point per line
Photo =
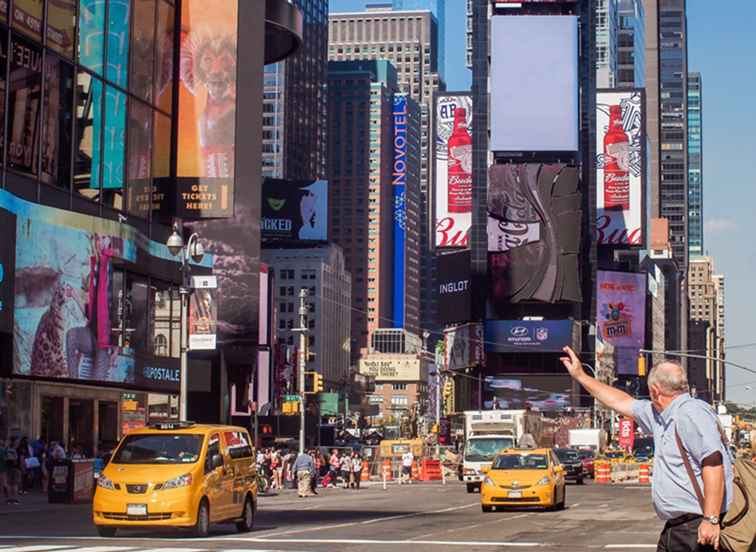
x=641 y=366
x=290 y=408
x=448 y=396
x=313 y=383
x=317 y=384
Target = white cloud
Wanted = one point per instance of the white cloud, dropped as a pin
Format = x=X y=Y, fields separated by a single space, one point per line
x=719 y=225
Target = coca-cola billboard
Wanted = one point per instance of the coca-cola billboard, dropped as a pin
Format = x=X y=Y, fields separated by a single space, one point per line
x=620 y=165
x=453 y=155
x=626 y=433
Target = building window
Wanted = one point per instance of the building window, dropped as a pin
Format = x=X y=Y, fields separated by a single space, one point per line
x=161 y=345
x=399 y=400
x=399 y=386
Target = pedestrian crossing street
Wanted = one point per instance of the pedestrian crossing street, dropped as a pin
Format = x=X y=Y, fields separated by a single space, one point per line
x=108 y=548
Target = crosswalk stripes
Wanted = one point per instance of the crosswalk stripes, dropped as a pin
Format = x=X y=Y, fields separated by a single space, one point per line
x=106 y=548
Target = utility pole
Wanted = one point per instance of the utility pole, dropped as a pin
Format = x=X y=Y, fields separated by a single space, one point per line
x=302 y=357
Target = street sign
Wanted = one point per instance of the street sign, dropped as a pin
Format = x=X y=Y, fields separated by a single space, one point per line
x=204 y=282
x=291 y=398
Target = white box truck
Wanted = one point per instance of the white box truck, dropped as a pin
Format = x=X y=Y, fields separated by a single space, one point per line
x=588 y=438
x=487 y=432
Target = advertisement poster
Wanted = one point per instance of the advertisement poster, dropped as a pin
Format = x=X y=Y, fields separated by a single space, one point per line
x=534 y=230
x=454 y=289
x=74 y=316
x=7 y=269
x=203 y=320
x=207 y=115
x=133 y=412
x=27 y=17
x=626 y=433
x=463 y=347
x=294 y=210
x=61 y=16
x=399 y=185
x=620 y=168
x=621 y=306
x=505 y=393
x=515 y=336
x=453 y=157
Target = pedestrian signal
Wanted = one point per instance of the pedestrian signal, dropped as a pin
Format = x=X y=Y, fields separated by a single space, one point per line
x=642 y=366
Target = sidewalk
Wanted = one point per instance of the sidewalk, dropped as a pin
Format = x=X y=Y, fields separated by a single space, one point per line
x=34 y=502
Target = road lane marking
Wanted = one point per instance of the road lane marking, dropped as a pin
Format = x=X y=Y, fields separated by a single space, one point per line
x=106 y=549
x=40 y=548
x=466 y=544
x=468 y=527
x=415 y=514
x=626 y=546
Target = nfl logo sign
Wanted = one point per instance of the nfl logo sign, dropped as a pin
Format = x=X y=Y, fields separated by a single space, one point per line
x=542 y=334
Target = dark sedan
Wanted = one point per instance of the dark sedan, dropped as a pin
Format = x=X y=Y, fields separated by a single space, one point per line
x=573 y=465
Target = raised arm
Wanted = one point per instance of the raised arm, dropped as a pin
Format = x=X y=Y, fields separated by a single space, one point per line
x=611 y=397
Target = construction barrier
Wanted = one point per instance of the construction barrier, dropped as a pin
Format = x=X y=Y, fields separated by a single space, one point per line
x=415 y=472
x=388 y=474
x=643 y=474
x=430 y=470
x=603 y=472
x=365 y=473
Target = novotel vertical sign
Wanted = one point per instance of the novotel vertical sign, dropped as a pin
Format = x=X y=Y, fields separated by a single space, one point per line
x=399 y=181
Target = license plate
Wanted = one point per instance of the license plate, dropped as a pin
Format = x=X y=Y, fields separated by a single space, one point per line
x=515 y=494
x=136 y=510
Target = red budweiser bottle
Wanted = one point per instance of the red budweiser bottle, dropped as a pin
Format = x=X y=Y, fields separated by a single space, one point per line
x=459 y=170
x=616 y=163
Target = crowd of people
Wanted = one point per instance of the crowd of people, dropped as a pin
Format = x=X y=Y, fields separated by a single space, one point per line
x=26 y=465
x=282 y=468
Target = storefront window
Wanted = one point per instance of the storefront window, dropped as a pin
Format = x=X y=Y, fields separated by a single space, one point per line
x=88 y=135
x=24 y=104
x=164 y=80
x=163 y=320
x=114 y=147
x=135 y=310
x=91 y=34
x=56 y=125
x=118 y=42
x=27 y=18
x=61 y=16
x=139 y=164
x=143 y=49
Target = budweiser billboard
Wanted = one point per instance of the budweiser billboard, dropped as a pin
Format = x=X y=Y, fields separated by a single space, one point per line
x=620 y=167
x=453 y=155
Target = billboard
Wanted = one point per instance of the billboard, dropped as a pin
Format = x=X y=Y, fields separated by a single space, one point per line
x=399 y=185
x=393 y=367
x=621 y=314
x=534 y=233
x=454 y=287
x=7 y=268
x=207 y=114
x=517 y=336
x=294 y=210
x=453 y=157
x=463 y=347
x=620 y=167
x=510 y=391
x=534 y=83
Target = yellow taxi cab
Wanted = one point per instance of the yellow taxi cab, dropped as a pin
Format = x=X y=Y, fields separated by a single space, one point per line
x=178 y=474
x=614 y=456
x=524 y=477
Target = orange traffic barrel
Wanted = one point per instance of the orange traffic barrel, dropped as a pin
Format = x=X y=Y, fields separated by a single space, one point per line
x=365 y=473
x=387 y=474
x=603 y=472
x=415 y=473
x=643 y=476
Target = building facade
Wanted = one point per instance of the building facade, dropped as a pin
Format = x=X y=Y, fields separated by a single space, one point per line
x=295 y=103
x=438 y=9
x=607 y=43
x=91 y=183
x=322 y=272
x=631 y=50
x=360 y=161
x=410 y=41
x=695 y=167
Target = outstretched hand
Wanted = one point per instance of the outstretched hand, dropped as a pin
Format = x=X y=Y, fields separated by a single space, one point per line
x=572 y=363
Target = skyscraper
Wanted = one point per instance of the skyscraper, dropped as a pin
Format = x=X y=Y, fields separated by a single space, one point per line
x=631 y=49
x=438 y=9
x=360 y=167
x=409 y=40
x=607 y=42
x=294 y=103
x=695 y=166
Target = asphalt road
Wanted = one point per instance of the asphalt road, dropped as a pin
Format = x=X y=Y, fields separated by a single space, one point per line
x=414 y=518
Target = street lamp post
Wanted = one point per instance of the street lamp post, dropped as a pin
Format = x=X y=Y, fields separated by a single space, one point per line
x=192 y=250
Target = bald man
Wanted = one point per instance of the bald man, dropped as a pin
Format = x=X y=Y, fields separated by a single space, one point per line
x=672 y=412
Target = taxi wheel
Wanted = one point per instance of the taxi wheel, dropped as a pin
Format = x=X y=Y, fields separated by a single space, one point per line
x=486 y=508
x=247 y=521
x=202 y=525
x=471 y=488
x=106 y=532
x=561 y=504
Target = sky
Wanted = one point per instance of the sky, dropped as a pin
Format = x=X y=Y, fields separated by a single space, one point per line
x=722 y=48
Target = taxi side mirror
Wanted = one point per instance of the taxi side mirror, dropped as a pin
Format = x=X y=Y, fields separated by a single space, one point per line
x=217 y=461
x=485 y=469
x=559 y=468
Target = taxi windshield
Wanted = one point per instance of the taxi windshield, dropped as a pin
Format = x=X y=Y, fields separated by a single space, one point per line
x=161 y=448
x=521 y=462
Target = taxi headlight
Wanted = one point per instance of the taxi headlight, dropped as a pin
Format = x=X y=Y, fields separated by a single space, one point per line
x=105 y=483
x=177 y=482
x=488 y=481
x=544 y=481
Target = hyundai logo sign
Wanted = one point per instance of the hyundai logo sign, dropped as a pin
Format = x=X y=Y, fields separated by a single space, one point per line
x=519 y=331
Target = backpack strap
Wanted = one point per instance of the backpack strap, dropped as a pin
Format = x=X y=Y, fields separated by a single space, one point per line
x=689 y=469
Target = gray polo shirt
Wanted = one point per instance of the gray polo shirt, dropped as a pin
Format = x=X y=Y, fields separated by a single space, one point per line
x=697 y=425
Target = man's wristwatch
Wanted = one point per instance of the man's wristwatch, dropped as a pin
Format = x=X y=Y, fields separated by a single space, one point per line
x=714 y=520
